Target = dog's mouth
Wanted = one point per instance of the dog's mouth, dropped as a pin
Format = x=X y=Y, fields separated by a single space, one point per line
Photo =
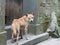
x=31 y=21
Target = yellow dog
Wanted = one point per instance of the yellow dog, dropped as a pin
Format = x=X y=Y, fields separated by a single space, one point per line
x=22 y=22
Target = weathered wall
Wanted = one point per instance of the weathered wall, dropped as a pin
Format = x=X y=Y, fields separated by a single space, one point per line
x=2 y=22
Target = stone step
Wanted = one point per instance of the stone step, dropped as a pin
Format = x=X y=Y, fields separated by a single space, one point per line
x=32 y=40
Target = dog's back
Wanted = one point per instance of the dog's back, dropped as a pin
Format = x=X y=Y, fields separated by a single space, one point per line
x=18 y=23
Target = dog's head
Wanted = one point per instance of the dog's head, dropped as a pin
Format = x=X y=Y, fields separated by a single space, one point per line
x=30 y=17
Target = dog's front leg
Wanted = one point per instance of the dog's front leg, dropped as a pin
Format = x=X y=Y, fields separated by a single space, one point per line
x=12 y=38
x=17 y=38
x=26 y=32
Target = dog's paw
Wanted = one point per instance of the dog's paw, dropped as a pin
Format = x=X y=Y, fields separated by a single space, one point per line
x=27 y=38
x=21 y=37
x=12 y=41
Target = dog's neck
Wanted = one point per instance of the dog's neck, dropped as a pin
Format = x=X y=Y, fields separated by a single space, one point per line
x=24 y=17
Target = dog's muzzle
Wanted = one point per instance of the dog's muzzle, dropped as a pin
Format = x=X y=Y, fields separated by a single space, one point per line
x=31 y=20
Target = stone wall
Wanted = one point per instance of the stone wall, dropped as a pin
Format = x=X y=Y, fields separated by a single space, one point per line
x=2 y=15
x=2 y=22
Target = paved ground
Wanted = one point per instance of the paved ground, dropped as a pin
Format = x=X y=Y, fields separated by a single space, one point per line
x=51 y=41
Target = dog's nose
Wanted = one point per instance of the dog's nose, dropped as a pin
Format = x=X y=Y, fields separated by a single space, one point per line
x=31 y=21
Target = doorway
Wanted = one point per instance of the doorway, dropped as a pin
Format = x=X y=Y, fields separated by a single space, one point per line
x=13 y=9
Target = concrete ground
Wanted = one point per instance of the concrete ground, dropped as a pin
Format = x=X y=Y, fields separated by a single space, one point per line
x=51 y=41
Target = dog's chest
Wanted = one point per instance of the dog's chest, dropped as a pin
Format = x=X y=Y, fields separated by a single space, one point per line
x=23 y=24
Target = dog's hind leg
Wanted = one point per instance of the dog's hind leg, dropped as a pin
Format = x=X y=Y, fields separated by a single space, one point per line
x=21 y=33
x=18 y=32
x=13 y=35
x=13 y=32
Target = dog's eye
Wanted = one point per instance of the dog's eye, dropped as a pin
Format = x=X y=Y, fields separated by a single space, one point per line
x=32 y=17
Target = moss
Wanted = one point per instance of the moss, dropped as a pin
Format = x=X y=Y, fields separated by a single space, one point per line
x=42 y=4
x=32 y=29
x=58 y=21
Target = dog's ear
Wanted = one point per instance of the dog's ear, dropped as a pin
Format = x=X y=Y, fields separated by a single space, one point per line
x=26 y=15
x=32 y=13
